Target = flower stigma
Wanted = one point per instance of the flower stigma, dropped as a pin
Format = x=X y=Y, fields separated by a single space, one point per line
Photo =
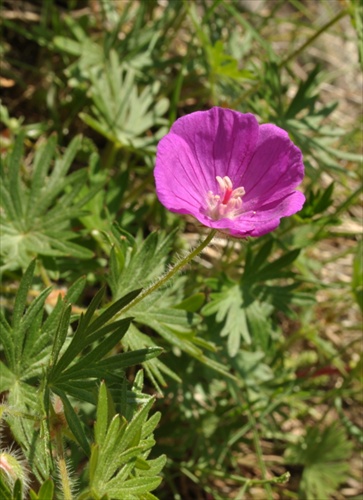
x=226 y=204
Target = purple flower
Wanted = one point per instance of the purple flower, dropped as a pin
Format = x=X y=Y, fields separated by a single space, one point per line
x=229 y=172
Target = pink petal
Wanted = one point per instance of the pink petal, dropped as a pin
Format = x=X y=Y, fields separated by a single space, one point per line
x=275 y=169
x=221 y=142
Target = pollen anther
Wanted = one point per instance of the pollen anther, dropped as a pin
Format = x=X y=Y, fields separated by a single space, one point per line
x=226 y=204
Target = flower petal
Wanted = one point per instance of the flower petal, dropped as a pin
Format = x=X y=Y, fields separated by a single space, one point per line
x=231 y=146
x=222 y=141
x=275 y=169
x=268 y=217
x=179 y=180
x=261 y=222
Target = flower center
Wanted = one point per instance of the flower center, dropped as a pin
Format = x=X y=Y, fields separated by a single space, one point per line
x=226 y=204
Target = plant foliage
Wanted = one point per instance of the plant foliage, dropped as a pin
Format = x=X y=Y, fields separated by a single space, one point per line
x=245 y=368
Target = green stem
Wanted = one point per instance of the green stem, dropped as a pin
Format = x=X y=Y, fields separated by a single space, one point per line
x=43 y=274
x=308 y=42
x=109 y=155
x=166 y=277
x=258 y=449
x=66 y=483
x=242 y=480
x=255 y=87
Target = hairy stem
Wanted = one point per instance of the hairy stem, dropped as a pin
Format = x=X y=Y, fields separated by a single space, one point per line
x=166 y=277
x=66 y=483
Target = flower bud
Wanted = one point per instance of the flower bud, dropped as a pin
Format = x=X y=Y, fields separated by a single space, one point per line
x=13 y=467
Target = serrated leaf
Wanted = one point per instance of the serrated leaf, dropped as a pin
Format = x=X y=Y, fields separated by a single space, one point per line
x=228 y=307
x=51 y=201
x=324 y=454
x=120 y=112
x=123 y=448
x=138 y=264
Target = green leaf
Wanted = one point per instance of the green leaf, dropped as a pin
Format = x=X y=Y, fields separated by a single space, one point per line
x=6 y=340
x=355 y=11
x=21 y=296
x=127 y=359
x=176 y=326
x=254 y=261
x=51 y=199
x=46 y=491
x=259 y=325
x=135 y=265
x=67 y=45
x=121 y=113
x=54 y=328
x=5 y=490
x=301 y=99
x=57 y=179
x=32 y=316
x=60 y=334
x=117 y=330
x=192 y=303
x=276 y=269
x=75 y=290
x=18 y=490
x=228 y=307
x=15 y=162
x=74 y=422
x=113 y=309
x=42 y=160
x=104 y=409
x=7 y=379
x=224 y=65
x=87 y=333
x=324 y=453
x=132 y=488
x=91 y=361
x=252 y=368
x=134 y=340
x=357 y=278
x=121 y=453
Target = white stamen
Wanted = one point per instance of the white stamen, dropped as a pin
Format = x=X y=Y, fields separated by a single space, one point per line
x=228 y=203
